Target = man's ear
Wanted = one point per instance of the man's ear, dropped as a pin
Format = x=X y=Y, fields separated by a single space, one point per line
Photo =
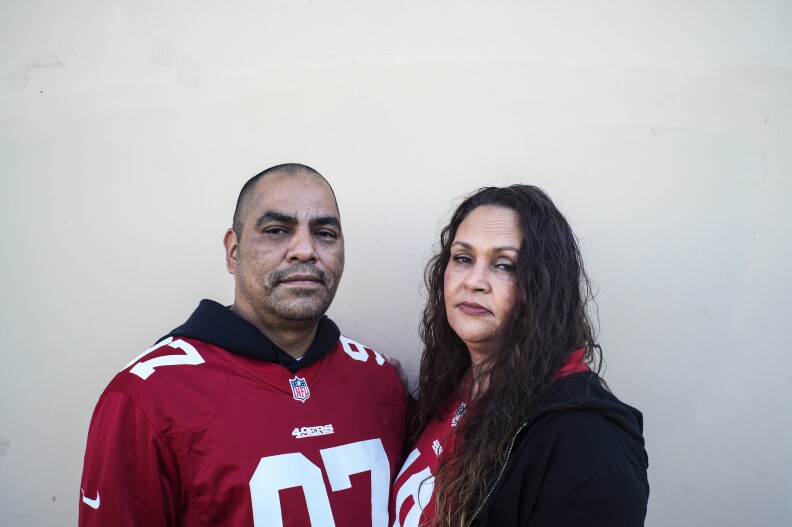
x=230 y=242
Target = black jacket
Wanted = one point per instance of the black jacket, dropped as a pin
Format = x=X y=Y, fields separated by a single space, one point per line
x=579 y=461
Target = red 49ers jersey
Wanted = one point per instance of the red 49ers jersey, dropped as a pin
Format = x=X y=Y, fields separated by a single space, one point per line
x=412 y=502
x=189 y=434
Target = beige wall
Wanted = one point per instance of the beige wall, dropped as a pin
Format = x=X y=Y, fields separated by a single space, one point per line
x=662 y=130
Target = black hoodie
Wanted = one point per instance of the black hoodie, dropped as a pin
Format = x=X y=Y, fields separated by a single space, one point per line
x=216 y=324
x=579 y=461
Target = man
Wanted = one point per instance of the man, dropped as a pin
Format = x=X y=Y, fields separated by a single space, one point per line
x=261 y=414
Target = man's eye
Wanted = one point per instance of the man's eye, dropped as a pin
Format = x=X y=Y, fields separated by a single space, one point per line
x=275 y=230
x=327 y=234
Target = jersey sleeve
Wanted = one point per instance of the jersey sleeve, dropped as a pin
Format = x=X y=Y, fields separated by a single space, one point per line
x=129 y=476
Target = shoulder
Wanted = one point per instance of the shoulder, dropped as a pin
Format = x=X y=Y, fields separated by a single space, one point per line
x=581 y=439
x=594 y=471
x=176 y=384
x=577 y=387
x=587 y=424
x=586 y=445
x=359 y=352
x=583 y=455
x=368 y=367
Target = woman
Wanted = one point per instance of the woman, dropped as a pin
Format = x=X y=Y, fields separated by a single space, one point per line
x=512 y=425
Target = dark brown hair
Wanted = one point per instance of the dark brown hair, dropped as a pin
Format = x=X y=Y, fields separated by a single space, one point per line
x=550 y=319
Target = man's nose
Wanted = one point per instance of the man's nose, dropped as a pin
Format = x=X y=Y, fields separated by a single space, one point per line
x=302 y=248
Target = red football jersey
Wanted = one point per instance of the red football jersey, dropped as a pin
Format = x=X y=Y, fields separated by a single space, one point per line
x=412 y=503
x=189 y=434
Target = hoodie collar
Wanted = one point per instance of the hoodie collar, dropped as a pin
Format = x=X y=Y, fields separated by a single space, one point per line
x=216 y=324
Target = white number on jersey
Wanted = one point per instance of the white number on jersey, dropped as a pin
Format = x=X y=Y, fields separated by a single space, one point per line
x=420 y=486
x=359 y=353
x=145 y=368
x=275 y=473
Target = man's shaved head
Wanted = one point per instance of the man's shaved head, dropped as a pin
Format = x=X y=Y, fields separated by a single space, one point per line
x=245 y=199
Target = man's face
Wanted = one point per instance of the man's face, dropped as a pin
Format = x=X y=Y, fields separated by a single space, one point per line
x=290 y=256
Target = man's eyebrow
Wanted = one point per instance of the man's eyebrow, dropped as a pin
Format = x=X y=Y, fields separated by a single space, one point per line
x=288 y=219
x=467 y=246
x=274 y=215
x=328 y=220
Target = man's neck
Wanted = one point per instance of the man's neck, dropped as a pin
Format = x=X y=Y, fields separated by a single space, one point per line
x=295 y=343
x=293 y=337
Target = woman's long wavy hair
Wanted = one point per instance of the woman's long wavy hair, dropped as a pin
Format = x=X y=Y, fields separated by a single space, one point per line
x=550 y=319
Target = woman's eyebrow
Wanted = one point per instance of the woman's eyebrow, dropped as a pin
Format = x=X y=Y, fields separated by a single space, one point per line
x=469 y=247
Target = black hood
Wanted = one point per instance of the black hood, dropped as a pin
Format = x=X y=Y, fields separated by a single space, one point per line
x=584 y=391
x=216 y=324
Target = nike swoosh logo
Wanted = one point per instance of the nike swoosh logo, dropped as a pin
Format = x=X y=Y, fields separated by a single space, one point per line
x=94 y=504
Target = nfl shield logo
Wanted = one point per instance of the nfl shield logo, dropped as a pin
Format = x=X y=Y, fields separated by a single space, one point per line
x=300 y=389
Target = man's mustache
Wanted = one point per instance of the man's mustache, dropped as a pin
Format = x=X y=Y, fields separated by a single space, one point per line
x=303 y=268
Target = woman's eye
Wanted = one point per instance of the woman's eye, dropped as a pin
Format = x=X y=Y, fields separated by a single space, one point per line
x=463 y=259
x=506 y=266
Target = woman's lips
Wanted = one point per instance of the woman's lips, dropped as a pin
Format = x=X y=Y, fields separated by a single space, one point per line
x=472 y=308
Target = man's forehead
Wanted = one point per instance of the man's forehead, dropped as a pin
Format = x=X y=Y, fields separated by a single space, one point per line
x=300 y=178
x=303 y=195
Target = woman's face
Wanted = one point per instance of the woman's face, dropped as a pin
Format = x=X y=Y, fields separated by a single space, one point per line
x=479 y=282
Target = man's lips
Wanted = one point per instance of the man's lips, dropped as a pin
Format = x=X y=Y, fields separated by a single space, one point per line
x=472 y=308
x=302 y=279
x=300 y=275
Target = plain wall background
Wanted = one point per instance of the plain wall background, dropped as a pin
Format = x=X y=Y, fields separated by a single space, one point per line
x=661 y=129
